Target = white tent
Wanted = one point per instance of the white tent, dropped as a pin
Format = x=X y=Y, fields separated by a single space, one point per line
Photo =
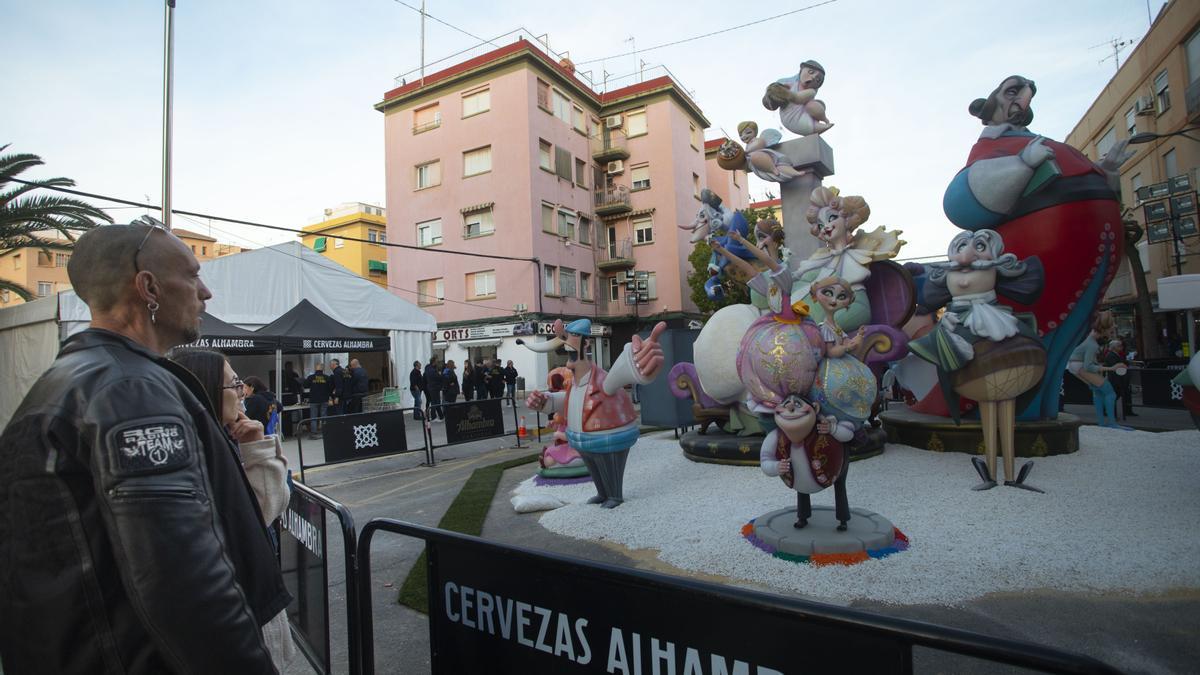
x=250 y=289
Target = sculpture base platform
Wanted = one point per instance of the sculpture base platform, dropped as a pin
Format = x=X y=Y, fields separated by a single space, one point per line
x=940 y=434
x=867 y=533
x=718 y=447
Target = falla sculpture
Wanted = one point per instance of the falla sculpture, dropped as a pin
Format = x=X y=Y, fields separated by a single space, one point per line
x=981 y=349
x=795 y=98
x=758 y=156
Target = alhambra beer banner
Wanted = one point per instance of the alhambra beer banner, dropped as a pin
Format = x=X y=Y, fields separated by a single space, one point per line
x=474 y=420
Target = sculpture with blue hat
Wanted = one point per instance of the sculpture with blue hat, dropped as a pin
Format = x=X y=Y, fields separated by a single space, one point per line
x=602 y=424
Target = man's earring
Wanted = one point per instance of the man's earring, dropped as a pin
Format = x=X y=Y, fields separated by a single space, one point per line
x=153 y=307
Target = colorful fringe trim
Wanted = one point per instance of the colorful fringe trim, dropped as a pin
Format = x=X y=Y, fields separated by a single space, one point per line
x=819 y=559
x=542 y=481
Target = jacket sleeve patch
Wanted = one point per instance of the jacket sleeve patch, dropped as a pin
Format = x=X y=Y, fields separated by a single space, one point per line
x=148 y=446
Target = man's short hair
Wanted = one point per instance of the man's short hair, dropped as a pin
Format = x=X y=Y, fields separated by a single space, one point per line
x=101 y=265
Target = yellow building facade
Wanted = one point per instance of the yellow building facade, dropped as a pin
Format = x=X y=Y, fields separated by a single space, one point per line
x=352 y=235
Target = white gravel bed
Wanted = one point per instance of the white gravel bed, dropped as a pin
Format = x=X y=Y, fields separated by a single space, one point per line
x=1122 y=514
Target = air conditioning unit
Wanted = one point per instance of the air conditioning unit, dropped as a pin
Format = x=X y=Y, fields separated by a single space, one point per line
x=612 y=122
x=1144 y=105
x=520 y=307
x=616 y=166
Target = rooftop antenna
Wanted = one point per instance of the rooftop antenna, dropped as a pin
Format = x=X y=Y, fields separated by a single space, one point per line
x=633 y=46
x=1117 y=45
x=641 y=70
x=422 y=43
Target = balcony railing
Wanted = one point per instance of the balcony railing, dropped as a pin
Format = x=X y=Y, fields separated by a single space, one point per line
x=613 y=200
x=616 y=255
x=426 y=126
x=609 y=145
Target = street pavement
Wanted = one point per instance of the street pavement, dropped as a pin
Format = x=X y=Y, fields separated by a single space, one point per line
x=1155 y=634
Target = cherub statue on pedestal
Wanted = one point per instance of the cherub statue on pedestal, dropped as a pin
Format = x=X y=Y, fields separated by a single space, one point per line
x=795 y=99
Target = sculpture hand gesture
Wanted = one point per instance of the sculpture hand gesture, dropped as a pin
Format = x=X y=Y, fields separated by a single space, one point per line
x=647 y=354
x=1116 y=156
x=1036 y=153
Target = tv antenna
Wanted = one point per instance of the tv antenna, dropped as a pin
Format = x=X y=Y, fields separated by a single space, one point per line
x=1117 y=45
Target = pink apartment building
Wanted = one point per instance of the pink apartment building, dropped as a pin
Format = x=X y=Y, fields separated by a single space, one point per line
x=511 y=154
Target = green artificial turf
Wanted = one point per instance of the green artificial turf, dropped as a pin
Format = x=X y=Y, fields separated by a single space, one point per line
x=466 y=515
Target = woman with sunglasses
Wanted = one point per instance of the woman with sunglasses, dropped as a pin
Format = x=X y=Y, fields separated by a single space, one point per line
x=262 y=459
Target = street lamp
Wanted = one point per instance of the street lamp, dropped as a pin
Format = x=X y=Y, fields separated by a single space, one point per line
x=1146 y=136
x=1177 y=240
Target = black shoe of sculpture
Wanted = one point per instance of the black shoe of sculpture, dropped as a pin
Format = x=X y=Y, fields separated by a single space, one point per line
x=981 y=467
x=1021 y=476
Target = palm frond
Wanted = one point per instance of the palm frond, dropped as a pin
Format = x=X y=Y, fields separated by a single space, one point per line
x=11 y=165
x=24 y=293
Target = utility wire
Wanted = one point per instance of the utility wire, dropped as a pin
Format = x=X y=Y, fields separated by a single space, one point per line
x=698 y=37
x=265 y=226
x=449 y=25
x=335 y=267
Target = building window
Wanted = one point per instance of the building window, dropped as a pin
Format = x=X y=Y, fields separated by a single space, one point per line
x=430 y=292
x=545 y=155
x=566 y=282
x=478 y=223
x=377 y=236
x=640 y=177
x=1191 y=50
x=734 y=174
x=585 y=231
x=548 y=224
x=652 y=285
x=578 y=121
x=1106 y=142
x=45 y=288
x=193 y=249
x=481 y=284
x=476 y=102
x=60 y=259
x=694 y=136
x=643 y=231
x=1171 y=164
x=5 y=296
x=203 y=250
x=696 y=185
x=581 y=173
x=376 y=267
x=17 y=261
x=566 y=224
x=562 y=106
x=543 y=95
x=1131 y=120
x=477 y=161
x=338 y=242
x=44 y=259
x=427 y=118
x=429 y=233
x=549 y=278
x=429 y=174
x=614 y=289
x=1162 y=92
x=319 y=244
x=562 y=163
x=1134 y=184
x=635 y=123
x=585 y=286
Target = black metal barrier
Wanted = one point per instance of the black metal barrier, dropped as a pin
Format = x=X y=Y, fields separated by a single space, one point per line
x=470 y=421
x=349 y=438
x=304 y=561
x=496 y=608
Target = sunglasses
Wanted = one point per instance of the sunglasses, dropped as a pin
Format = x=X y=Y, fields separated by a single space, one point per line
x=154 y=224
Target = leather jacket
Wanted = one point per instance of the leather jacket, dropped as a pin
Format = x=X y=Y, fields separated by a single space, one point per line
x=130 y=539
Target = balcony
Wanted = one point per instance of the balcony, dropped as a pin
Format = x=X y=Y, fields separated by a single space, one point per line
x=608 y=146
x=613 y=201
x=616 y=255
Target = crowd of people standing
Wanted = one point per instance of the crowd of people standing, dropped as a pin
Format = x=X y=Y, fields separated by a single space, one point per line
x=440 y=383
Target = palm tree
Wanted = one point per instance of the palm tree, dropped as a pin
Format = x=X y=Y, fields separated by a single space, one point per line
x=24 y=215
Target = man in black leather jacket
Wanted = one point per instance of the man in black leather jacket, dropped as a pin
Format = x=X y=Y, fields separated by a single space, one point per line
x=130 y=537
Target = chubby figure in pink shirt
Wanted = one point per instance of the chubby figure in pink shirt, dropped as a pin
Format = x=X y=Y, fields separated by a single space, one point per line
x=602 y=423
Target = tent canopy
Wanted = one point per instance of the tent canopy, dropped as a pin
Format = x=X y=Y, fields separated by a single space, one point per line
x=230 y=339
x=306 y=329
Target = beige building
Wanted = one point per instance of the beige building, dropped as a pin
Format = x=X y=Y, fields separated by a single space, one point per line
x=353 y=235
x=44 y=273
x=1156 y=95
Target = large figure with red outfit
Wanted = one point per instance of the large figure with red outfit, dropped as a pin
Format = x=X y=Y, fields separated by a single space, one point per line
x=1047 y=200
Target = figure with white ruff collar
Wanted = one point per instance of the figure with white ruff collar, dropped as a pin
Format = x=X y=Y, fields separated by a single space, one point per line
x=602 y=423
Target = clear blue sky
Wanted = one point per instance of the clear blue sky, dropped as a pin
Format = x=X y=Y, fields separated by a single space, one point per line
x=273 y=116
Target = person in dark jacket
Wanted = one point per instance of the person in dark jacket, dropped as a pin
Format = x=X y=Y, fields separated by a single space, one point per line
x=320 y=390
x=416 y=387
x=359 y=386
x=261 y=404
x=433 y=389
x=510 y=381
x=483 y=375
x=293 y=384
x=449 y=383
x=468 y=381
x=336 y=373
x=496 y=380
x=140 y=546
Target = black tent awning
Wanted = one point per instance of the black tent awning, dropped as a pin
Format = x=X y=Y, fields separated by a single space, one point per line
x=229 y=339
x=306 y=329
